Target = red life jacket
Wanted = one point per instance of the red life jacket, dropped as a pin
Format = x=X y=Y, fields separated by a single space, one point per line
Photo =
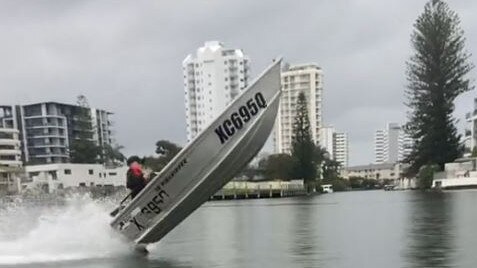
x=136 y=169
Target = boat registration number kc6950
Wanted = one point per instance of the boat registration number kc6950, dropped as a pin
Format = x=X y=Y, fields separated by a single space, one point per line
x=240 y=117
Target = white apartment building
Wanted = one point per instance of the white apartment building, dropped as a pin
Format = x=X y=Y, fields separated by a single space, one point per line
x=341 y=147
x=306 y=78
x=10 y=152
x=391 y=144
x=380 y=150
x=336 y=144
x=213 y=77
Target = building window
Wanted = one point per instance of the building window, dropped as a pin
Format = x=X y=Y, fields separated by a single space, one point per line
x=90 y=172
x=113 y=173
x=82 y=184
x=67 y=171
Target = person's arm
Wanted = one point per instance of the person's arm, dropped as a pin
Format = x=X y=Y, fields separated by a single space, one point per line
x=129 y=182
x=146 y=177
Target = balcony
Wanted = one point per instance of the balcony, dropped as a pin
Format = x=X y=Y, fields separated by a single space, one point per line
x=9 y=130
x=10 y=152
x=13 y=142
x=44 y=116
x=11 y=162
x=46 y=136
x=45 y=126
x=54 y=154
x=47 y=146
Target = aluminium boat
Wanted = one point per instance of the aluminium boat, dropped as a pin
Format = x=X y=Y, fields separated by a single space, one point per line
x=206 y=164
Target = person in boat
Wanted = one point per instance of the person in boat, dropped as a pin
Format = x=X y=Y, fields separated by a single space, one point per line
x=135 y=178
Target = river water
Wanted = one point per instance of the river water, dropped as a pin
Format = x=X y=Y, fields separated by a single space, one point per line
x=351 y=229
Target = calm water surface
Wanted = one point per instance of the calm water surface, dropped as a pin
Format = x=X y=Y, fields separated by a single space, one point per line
x=352 y=229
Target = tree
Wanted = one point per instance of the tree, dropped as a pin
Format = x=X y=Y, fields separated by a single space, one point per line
x=303 y=148
x=277 y=167
x=83 y=149
x=436 y=75
x=320 y=155
x=425 y=176
x=112 y=155
x=365 y=184
x=474 y=152
x=356 y=182
x=330 y=169
x=250 y=173
x=166 y=151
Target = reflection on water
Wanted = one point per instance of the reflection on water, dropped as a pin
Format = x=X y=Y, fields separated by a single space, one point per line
x=371 y=229
x=431 y=233
x=304 y=247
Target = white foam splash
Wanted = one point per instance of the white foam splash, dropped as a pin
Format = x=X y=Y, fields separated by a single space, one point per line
x=79 y=230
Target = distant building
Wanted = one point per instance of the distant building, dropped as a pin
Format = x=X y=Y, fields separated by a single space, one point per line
x=391 y=144
x=48 y=128
x=213 y=77
x=341 y=148
x=10 y=153
x=391 y=171
x=306 y=78
x=336 y=144
x=327 y=135
x=52 y=177
x=470 y=135
x=380 y=150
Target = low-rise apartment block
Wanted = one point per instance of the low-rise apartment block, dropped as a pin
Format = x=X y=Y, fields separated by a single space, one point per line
x=47 y=129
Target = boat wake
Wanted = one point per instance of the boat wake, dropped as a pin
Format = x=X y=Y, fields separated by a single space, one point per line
x=76 y=230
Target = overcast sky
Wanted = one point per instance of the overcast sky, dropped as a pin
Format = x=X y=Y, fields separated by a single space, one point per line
x=125 y=56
